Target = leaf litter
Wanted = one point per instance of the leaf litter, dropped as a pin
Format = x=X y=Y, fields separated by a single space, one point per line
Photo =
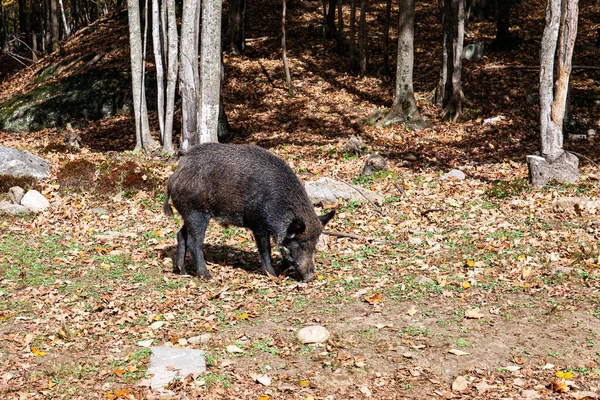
x=87 y=285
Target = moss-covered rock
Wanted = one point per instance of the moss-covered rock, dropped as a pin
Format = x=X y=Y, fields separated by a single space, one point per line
x=96 y=94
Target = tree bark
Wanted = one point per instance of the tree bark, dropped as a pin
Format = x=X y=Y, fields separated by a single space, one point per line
x=142 y=130
x=210 y=70
x=189 y=84
x=172 y=55
x=362 y=38
x=555 y=163
x=54 y=26
x=404 y=107
x=286 y=66
x=23 y=20
x=386 y=34
x=566 y=45
x=454 y=108
x=353 y=59
x=3 y=30
x=340 y=33
x=159 y=55
x=330 y=31
x=235 y=39
x=64 y=18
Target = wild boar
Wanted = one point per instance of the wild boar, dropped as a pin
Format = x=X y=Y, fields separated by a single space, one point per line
x=249 y=187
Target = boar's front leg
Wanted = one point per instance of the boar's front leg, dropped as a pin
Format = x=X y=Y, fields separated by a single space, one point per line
x=196 y=226
x=264 y=248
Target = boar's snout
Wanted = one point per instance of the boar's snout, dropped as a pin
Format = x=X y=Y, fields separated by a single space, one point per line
x=309 y=277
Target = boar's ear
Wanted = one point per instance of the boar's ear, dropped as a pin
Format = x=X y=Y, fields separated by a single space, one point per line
x=325 y=218
x=297 y=226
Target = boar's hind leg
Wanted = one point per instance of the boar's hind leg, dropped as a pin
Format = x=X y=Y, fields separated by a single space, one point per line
x=196 y=228
x=181 y=248
x=264 y=248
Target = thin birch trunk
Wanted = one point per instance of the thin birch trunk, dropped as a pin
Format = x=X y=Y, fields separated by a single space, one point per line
x=158 y=47
x=286 y=66
x=172 y=56
x=64 y=18
x=386 y=35
x=362 y=37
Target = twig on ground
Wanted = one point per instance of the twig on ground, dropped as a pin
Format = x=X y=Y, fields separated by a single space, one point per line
x=359 y=237
x=361 y=193
x=424 y=213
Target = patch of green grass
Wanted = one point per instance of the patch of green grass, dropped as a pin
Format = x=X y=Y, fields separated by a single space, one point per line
x=266 y=346
x=351 y=206
x=413 y=330
x=212 y=379
x=460 y=342
x=501 y=190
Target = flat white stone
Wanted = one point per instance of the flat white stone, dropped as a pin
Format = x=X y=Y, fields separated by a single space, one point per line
x=168 y=363
x=313 y=334
x=35 y=201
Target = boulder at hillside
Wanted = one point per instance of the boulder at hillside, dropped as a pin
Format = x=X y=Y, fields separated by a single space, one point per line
x=327 y=191
x=18 y=163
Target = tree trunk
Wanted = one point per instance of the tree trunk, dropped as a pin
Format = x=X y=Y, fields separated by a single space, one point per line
x=75 y=14
x=210 y=70
x=172 y=54
x=54 y=25
x=189 y=84
x=159 y=55
x=23 y=21
x=404 y=107
x=93 y=8
x=3 y=31
x=443 y=90
x=64 y=18
x=454 y=108
x=286 y=66
x=330 y=31
x=340 y=34
x=362 y=38
x=235 y=39
x=386 y=34
x=564 y=55
x=555 y=163
x=142 y=130
x=353 y=59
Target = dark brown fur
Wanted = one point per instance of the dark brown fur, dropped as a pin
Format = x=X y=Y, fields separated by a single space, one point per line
x=244 y=186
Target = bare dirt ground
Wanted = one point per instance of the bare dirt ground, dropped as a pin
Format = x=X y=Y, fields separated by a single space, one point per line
x=482 y=281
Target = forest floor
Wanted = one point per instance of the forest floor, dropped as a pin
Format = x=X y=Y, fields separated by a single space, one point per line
x=483 y=279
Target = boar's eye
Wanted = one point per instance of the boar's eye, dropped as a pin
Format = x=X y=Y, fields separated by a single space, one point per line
x=297 y=226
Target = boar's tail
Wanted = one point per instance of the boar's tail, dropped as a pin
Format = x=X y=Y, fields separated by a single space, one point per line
x=166 y=206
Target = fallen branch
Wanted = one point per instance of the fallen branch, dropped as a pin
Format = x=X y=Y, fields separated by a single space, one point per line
x=359 y=237
x=424 y=213
x=361 y=193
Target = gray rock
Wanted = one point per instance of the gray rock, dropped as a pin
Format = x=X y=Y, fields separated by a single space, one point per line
x=473 y=51
x=167 y=363
x=35 y=201
x=422 y=280
x=10 y=208
x=100 y=210
x=374 y=163
x=418 y=124
x=15 y=194
x=313 y=334
x=455 y=173
x=18 y=163
x=327 y=191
